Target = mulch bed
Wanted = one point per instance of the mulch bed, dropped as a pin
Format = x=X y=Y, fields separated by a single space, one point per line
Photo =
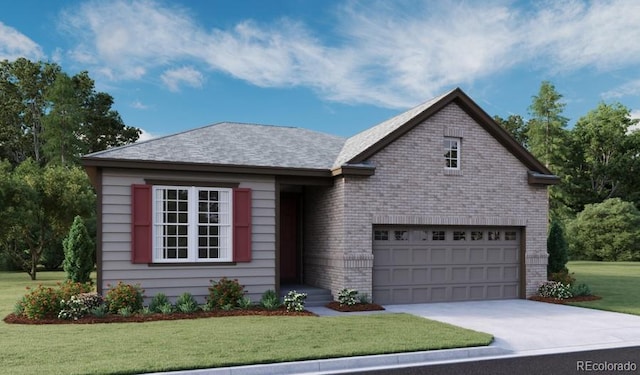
x=138 y=318
x=564 y=301
x=357 y=307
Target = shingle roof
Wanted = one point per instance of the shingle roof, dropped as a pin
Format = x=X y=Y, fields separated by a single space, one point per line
x=367 y=138
x=240 y=144
x=230 y=144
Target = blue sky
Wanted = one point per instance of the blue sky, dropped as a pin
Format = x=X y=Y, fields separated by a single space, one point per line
x=332 y=66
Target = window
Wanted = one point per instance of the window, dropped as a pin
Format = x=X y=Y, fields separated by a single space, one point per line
x=476 y=236
x=494 y=236
x=191 y=224
x=437 y=235
x=459 y=236
x=510 y=236
x=452 y=153
x=401 y=235
x=381 y=235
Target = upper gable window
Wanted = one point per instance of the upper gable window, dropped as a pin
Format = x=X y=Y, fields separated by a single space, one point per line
x=452 y=153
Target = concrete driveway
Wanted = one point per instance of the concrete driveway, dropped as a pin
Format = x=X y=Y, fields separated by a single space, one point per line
x=529 y=327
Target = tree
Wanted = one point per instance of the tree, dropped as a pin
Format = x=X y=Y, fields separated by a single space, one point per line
x=608 y=231
x=23 y=84
x=604 y=158
x=48 y=115
x=78 y=250
x=557 y=249
x=516 y=126
x=40 y=204
x=546 y=129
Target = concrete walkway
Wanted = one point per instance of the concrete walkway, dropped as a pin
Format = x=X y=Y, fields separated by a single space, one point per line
x=519 y=327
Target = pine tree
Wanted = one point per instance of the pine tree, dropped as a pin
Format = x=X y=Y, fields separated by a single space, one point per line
x=557 y=249
x=78 y=251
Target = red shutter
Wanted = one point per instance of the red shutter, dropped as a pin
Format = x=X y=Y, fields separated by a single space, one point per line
x=141 y=224
x=241 y=225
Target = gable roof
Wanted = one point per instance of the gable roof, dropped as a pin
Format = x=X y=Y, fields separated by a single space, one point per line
x=269 y=149
x=365 y=144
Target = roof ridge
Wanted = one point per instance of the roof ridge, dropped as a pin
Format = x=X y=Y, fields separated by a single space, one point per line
x=349 y=150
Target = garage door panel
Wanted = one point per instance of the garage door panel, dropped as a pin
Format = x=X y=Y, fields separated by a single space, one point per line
x=382 y=257
x=401 y=257
x=459 y=274
x=446 y=264
x=420 y=256
x=438 y=275
x=510 y=255
x=439 y=256
x=420 y=276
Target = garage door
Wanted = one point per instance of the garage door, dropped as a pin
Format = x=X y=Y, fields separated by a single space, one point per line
x=437 y=264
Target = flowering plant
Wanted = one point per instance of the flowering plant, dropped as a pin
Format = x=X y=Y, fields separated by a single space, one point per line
x=124 y=296
x=555 y=289
x=294 y=301
x=224 y=292
x=348 y=297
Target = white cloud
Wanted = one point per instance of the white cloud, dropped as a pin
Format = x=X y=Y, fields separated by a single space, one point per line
x=635 y=114
x=629 y=88
x=391 y=54
x=173 y=78
x=137 y=104
x=14 y=44
x=145 y=136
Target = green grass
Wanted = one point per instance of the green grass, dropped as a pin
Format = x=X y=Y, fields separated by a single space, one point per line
x=616 y=282
x=127 y=348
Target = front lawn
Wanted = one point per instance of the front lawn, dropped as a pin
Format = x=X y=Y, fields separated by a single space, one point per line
x=127 y=348
x=616 y=282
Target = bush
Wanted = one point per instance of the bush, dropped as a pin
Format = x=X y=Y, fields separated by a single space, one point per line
x=294 y=301
x=348 y=297
x=124 y=296
x=224 y=292
x=557 y=249
x=157 y=301
x=270 y=300
x=245 y=303
x=79 y=305
x=186 y=303
x=100 y=311
x=580 y=290
x=563 y=277
x=554 y=289
x=167 y=308
x=78 y=253
x=364 y=298
x=608 y=231
x=69 y=288
x=41 y=302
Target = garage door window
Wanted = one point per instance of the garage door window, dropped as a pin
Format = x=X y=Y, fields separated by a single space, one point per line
x=510 y=236
x=494 y=235
x=381 y=235
x=438 y=235
x=476 y=236
x=459 y=236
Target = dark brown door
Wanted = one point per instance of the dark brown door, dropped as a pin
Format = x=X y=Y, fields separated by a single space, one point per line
x=289 y=237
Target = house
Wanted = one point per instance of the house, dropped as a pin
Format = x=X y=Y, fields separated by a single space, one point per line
x=436 y=204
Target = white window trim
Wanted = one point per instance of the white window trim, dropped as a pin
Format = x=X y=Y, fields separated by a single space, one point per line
x=192 y=228
x=459 y=152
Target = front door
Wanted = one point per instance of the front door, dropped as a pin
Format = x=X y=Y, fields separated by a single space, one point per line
x=289 y=239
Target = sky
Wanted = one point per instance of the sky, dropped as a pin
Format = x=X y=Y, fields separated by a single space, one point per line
x=333 y=66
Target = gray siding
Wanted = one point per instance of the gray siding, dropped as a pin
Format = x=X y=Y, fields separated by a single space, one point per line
x=257 y=276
